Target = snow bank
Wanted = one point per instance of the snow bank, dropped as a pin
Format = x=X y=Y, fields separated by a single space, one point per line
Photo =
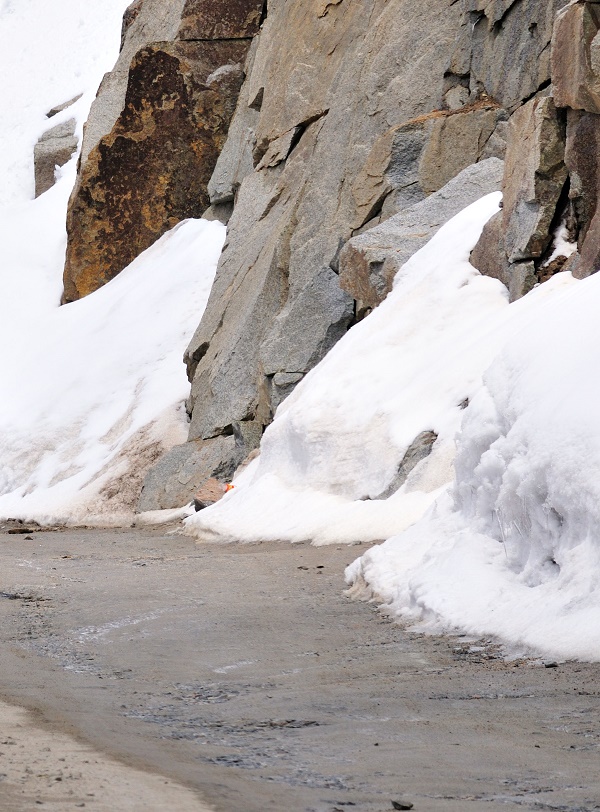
x=337 y=442
x=90 y=393
x=514 y=550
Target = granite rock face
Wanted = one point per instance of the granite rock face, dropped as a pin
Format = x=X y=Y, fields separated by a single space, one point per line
x=369 y=262
x=155 y=131
x=503 y=49
x=315 y=101
x=576 y=57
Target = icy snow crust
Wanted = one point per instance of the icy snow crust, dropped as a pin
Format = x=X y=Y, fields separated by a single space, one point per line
x=509 y=543
x=90 y=393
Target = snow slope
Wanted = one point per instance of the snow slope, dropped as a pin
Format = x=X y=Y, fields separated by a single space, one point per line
x=90 y=393
x=514 y=549
x=338 y=440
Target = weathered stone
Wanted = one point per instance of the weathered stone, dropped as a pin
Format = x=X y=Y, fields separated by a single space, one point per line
x=503 y=48
x=152 y=170
x=339 y=79
x=415 y=159
x=369 y=262
x=534 y=178
x=177 y=477
x=581 y=157
x=235 y=160
x=129 y=16
x=489 y=255
x=522 y=278
x=455 y=142
x=576 y=58
x=147 y=22
x=420 y=448
x=60 y=107
x=211 y=491
x=55 y=148
x=220 y=19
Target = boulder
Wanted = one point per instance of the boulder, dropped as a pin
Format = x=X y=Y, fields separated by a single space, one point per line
x=576 y=57
x=54 y=149
x=369 y=262
x=179 y=475
x=151 y=171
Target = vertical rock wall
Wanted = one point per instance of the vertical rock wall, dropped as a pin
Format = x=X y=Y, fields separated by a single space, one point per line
x=551 y=180
x=350 y=112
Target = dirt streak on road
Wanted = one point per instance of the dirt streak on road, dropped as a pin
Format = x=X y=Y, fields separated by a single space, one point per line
x=243 y=676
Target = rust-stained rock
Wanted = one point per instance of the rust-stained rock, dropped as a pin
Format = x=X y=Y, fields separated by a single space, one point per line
x=576 y=57
x=220 y=19
x=152 y=170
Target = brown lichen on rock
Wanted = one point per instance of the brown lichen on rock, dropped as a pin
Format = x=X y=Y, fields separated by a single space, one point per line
x=151 y=171
x=220 y=19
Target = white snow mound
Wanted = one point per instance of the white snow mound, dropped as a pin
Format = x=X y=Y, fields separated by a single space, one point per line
x=92 y=392
x=514 y=550
x=336 y=443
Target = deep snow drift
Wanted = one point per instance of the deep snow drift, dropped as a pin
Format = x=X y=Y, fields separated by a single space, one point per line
x=514 y=549
x=90 y=393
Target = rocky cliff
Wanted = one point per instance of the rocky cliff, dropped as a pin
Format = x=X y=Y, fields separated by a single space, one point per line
x=335 y=161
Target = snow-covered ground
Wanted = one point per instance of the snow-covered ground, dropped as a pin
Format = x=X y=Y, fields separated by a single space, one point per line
x=92 y=392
